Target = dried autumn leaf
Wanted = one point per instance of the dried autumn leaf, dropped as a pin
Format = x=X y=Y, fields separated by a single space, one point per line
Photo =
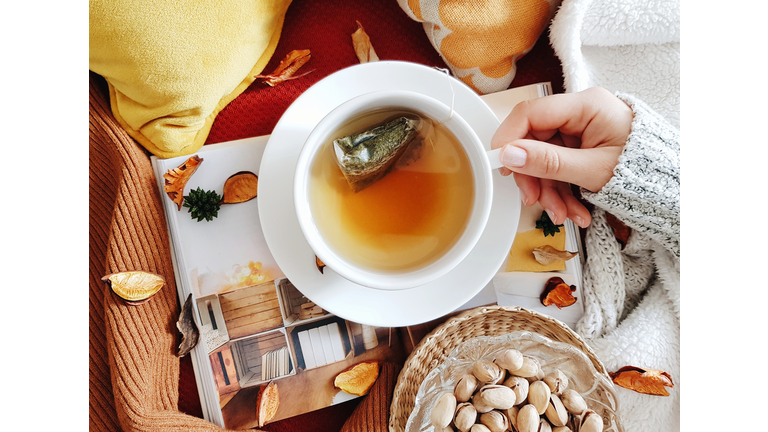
x=240 y=187
x=546 y=255
x=267 y=403
x=135 y=287
x=557 y=292
x=320 y=264
x=362 y=44
x=646 y=381
x=358 y=379
x=287 y=67
x=190 y=334
x=177 y=178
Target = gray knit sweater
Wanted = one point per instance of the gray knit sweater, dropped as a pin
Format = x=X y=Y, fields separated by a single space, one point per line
x=632 y=294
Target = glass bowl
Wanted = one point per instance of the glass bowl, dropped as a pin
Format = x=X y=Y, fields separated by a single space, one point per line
x=596 y=389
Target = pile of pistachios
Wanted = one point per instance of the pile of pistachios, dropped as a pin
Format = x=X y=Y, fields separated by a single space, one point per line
x=511 y=393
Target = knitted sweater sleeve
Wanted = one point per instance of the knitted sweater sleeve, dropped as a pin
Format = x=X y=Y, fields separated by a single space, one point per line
x=645 y=189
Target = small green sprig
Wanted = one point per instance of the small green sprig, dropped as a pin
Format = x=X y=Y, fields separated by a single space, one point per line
x=547 y=225
x=203 y=204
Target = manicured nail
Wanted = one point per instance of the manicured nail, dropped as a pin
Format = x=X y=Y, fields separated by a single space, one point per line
x=579 y=221
x=523 y=198
x=512 y=156
x=551 y=215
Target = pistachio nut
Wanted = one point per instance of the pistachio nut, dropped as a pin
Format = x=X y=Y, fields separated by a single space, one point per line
x=544 y=426
x=495 y=420
x=556 y=412
x=527 y=419
x=487 y=372
x=591 y=422
x=465 y=417
x=538 y=377
x=512 y=416
x=561 y=429
x=509 y=359
x=538 y=395
x=479 y=427
x=442 y=413
x=465 y=388
x=530 y=367
x=573 y=402
x=493 y=396
x=520 y=386
x=557 y=381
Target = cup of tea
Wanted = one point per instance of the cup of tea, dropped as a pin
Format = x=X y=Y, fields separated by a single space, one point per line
x=403 y=223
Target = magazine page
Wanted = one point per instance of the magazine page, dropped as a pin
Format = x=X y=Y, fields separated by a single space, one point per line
x=256 y=327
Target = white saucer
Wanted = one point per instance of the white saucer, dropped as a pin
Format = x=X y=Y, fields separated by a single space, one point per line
x=384 y=308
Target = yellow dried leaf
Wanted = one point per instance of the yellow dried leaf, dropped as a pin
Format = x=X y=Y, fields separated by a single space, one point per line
x=362 y=44
x=267 y=403
x=134 y=286
x=358 y=379
x=546 y=255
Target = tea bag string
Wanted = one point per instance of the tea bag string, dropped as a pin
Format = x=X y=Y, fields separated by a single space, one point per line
x=453 y=93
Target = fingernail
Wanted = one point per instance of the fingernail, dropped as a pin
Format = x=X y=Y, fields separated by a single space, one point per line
x=579 y=221
x=523 y=198
x=512 y=156
x=551 y=215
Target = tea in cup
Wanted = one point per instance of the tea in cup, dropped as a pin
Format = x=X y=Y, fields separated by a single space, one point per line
x=404 y=222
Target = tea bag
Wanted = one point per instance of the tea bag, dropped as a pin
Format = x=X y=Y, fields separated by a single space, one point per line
x=365 y=157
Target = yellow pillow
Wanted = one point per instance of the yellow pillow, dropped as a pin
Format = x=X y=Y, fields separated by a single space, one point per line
x=173 y=65
x=481 y=40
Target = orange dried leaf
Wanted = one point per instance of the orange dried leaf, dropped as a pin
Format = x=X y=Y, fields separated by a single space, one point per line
x=287 y=67
x=177 y=178
x=358 y=379
x=557 y=292
x=362 y=44
x=320 y=264
x=240 y=187
x=267 y=403
x=646 y=381
x=135 y=287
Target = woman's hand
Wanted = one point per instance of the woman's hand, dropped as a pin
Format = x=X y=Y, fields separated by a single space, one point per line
x=572 y=138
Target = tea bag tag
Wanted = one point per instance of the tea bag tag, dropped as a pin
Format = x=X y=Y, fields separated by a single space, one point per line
x=493 y=158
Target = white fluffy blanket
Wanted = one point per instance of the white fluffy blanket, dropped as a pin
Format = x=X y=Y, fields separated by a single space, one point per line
x=623 y=45
x=631 y=46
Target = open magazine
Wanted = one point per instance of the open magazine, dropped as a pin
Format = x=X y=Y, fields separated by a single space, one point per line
x=256 y=327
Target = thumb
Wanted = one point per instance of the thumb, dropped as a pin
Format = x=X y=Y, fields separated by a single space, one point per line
x=589 y=168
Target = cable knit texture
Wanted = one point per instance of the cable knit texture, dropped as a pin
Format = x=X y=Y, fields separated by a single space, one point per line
x=632 y=295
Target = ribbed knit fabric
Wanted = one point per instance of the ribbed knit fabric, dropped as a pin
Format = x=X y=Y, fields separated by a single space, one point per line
x=133 y=371
x=372 y=415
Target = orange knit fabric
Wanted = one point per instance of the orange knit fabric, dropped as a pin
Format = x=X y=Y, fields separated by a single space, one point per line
x=133 y=369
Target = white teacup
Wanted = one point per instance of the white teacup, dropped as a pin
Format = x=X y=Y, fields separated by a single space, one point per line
x=481 y=162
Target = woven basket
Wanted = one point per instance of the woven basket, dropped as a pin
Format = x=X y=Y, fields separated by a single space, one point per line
x=482 y=321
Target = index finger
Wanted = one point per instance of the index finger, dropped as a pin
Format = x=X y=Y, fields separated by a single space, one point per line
x=567 y=113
